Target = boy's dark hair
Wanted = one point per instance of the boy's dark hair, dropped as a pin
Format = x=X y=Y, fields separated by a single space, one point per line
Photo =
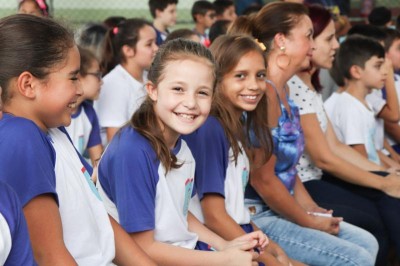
x=222 y=5
x=180 y=33
x=380 y=16
x=391 y=36
x=357 y=50
x=368 y=30
x=160 y=5
x=220 y=27
x=398 y=22
x=200 y=8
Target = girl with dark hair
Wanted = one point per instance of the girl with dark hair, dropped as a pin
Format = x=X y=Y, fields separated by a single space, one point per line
x=129 y=50
x=280 y=204
x=67 y=221
x=221 y=147
x=371 y=210
x=147 y=173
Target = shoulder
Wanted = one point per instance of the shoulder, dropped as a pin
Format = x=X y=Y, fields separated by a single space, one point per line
x=211 y=130
x=20 y=130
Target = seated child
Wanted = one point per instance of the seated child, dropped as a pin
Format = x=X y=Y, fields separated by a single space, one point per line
x=164 y=14
x=225 y=10
x=204 y=16
x=84 y=129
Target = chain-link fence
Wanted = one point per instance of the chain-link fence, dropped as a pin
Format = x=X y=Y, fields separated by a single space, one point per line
x=83 y=11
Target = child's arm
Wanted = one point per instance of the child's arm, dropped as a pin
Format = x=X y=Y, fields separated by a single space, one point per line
x=390 y=112
x=278 y=198
x=127 y=252
x=217 y=219
x=95 y=153
x=110 y=131
x=393 y=129
x=45 y=231
x=360 y=148
x=166 y=254
x=347 y=153
x=393 y=154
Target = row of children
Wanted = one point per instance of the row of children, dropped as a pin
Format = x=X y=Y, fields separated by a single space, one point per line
x=147 y=173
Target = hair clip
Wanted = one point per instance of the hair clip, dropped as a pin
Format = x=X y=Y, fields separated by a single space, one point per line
x=262 y=45
x=43 y=6
x=115 y=30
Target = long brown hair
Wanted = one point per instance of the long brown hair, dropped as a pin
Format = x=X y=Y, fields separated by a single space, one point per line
x=228 y=50
x=145 y=120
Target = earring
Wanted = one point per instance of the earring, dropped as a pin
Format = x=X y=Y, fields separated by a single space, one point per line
x=282 y=60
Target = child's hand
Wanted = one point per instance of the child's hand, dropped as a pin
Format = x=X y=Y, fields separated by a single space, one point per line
x=239 y=253
x=391 y=185
x=258 y=238
x=329 y=225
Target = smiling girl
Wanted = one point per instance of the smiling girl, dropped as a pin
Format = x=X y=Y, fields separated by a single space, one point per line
x=147 y=172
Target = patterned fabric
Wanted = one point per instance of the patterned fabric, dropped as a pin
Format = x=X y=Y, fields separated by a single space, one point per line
x=288 y=141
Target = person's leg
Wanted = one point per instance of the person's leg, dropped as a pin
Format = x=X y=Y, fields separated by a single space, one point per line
x=354 y=209
x=314 y=247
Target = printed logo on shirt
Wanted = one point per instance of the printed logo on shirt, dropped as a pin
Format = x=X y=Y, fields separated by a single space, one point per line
x=90 y=182
x=245 y=178
x=188 y=194
x=80 y=147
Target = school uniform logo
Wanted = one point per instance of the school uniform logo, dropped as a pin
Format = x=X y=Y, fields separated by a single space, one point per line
x=188 y=194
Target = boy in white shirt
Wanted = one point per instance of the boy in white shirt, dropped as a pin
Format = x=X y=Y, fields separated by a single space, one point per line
x=361 y=61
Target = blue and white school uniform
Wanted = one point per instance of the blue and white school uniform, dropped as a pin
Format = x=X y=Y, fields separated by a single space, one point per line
x=140 y=195
x=217 y=172
x=15 y=246
x=39 y=163
x=84 y=129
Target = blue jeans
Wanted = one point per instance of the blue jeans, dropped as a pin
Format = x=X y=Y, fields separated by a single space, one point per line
x=353 y=245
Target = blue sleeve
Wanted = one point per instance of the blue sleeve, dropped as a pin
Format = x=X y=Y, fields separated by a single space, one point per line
x=210 y=148
x=10 y=208
x=27 y=159
x=87 y=166
x=128 y=173
x=94 y=137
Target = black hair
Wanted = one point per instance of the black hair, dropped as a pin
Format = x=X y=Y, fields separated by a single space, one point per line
x=160 y=5
x=91 y=37
x=357 y=50
x=33 y=44
x=180 y=33
x=368 y=30
x=220 y=27
x=391 y=36
x=222 y=5
x=380 y=16
x=201 y=7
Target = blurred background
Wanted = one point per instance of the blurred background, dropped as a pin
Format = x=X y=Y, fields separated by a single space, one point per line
x=78 y=12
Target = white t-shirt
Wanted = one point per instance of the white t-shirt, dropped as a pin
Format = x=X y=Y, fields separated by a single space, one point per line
x=5 y=240
x=120 y=96
x=87 y=230
x=354 y=124
x=309 y=102
x=139 y=194
x=376 y=101
x=217 y=172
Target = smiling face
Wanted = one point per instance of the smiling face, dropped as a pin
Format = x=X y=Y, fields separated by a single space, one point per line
x=244 y=85
x=91 y=82
x=326 y=45
x=57 y=95
x=182 y=98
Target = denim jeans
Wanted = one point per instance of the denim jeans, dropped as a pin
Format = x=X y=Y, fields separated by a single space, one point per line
x=353 y=245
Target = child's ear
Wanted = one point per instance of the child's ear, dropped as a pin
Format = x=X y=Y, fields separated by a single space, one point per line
x=355 y=71
x=157 y=13
x=152 y=91
x=27 y=84
x=199 y=18
x=128 y=51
